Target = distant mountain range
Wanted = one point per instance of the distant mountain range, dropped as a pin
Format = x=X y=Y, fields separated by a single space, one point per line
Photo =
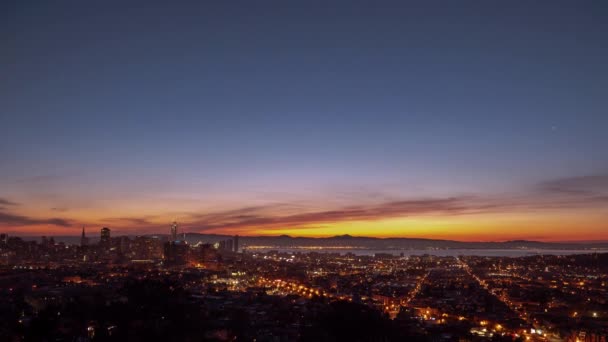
x=360 y=242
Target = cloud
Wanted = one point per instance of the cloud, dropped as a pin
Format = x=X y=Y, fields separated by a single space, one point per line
x=583 y=185
x=261 y=217
x=9 y=219
x=41 y=179
x=557 y=194
x=130 y=225
x=284 y=215
x=19 y=220
x=5 y=202
x=563 y=194
x=580 y=191
x=129 y=221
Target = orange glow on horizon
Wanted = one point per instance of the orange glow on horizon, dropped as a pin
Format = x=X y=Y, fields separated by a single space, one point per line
x=485 y=227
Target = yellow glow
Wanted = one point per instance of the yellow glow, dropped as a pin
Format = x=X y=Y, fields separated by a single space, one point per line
x=554 y=226
x=472 y=228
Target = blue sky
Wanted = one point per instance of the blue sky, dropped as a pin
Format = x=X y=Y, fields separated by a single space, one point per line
x=203 y=100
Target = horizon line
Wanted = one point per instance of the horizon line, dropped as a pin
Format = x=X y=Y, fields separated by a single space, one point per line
x=333 y=236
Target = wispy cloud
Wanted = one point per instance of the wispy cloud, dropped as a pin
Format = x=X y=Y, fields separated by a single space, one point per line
x=43 y=179
x=592 y=184
x=588 y=191
x=557 y=194
x=262 y=217
x=139 y=225
x=15 y=220
x=5 y=202
x=130 y=221
x=19 y=220
x=551 y=195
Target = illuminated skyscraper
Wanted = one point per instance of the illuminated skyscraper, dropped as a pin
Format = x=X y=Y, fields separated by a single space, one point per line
x=236 y=244
x=105 y=237
x=174 y=231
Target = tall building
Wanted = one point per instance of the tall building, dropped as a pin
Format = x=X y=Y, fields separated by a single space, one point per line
x=229 y=245
x=236 y=244
x=124 y=244
x=175 y=252
x=83 y=239
x=174 y=231
x=105 y=237
x=205 y=253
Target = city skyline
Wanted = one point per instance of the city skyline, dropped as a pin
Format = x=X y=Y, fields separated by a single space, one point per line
x=482 y=122
x=323 y=171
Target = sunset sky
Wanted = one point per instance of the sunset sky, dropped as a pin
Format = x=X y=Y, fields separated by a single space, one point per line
x=439 y=119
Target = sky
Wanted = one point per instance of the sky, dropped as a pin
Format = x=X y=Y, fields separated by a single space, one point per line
x=465 y=120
